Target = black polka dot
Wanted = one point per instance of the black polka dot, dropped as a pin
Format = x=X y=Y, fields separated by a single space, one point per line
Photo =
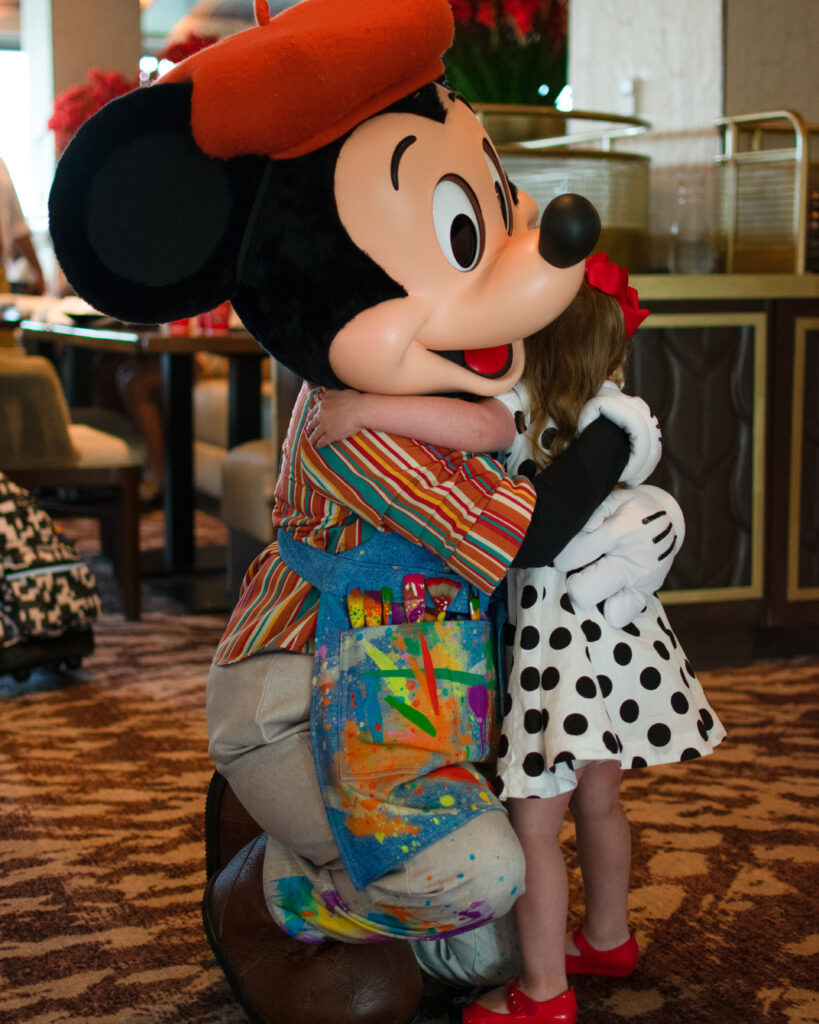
x=659 y=735
x=528 y=596
x=498 y=786
x=650 y=678
x=529 y=638
x=550 y=678
x=503 y=745
x=707 y=719
x=564 y=757
x=520 y=421
x=575 y=725
x=689 y=754
x=638 y=762
x=532 y=721
x=702 y=730
x=662 y=650
x=545 y=714
x=611 y=742
x=507 y=703
x=688 y=668
x=585 y=686
x=629 y=710
x=591 y=630
x=527 y=468
x=566 y=604
x=679 y=702
x=631 y=629
x=622 y=654
x=534 y=765
x=560 y=638
x=684 y=680
x=605 y=685
x=665 y=628
x=547 y=438
x=530 y=678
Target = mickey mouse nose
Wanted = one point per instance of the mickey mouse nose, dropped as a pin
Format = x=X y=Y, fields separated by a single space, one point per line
x=569 y=230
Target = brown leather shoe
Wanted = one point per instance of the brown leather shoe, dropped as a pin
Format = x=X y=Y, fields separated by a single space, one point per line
x=279 y=980
x=228 y=826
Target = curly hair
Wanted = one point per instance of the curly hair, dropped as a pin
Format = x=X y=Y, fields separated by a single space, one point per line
x=567 y=362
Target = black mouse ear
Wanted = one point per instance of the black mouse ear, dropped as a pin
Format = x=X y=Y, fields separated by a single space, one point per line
x=145 y=226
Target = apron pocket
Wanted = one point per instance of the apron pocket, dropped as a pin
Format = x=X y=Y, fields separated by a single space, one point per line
x=418 y=697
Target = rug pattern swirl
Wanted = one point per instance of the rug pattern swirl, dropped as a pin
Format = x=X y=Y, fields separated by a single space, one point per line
x=103 y=775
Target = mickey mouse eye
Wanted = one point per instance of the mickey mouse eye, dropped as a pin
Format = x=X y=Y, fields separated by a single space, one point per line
x=501 y=188
x=458 y=222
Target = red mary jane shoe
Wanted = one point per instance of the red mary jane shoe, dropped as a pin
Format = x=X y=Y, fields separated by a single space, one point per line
x=615 y=963
x=560 y=1010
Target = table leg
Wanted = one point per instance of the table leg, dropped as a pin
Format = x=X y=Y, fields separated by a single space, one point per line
x=177 y=402
x=244 y=405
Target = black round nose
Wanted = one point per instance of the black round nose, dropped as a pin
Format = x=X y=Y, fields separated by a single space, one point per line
x=569 y=230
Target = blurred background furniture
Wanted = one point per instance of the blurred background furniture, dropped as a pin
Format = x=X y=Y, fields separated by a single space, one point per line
x=242 y=476
x=769 y=213
x=85 y=471
x=242 y=390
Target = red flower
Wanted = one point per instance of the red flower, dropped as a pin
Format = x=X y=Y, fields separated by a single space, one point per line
x=485 y=13
x=462 y=10
x=75 y=105
x=523 y=13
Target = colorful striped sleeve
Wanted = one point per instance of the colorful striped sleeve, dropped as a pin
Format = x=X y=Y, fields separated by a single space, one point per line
x=461 y=506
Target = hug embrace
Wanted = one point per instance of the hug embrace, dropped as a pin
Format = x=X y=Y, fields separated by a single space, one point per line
x=460 y=441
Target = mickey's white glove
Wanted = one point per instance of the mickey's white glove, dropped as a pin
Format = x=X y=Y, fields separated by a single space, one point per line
x=634 y=416
x=627 y=548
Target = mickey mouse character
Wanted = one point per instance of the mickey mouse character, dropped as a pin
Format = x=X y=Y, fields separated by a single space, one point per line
x=315 y=171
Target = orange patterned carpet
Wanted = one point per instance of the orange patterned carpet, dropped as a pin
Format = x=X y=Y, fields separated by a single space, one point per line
x=103 y=774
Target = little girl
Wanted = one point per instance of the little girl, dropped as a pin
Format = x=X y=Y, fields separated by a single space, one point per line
x=585 y=700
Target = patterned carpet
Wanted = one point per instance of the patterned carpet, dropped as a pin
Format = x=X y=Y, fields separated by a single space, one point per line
x=103 y=774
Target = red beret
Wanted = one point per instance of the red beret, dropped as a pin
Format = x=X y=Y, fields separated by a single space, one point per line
x=302 y=79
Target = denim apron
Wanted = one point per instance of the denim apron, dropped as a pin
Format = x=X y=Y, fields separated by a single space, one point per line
x=399 y=713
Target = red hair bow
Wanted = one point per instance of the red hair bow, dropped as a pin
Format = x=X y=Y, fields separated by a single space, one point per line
x=613 y=280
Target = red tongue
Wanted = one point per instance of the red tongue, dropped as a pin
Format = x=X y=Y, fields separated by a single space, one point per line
x=487 y=361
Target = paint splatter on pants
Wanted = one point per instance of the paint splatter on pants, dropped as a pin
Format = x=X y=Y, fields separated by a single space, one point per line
x=258 y=719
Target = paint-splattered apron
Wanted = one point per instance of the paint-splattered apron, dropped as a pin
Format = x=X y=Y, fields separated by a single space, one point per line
x=400 y=713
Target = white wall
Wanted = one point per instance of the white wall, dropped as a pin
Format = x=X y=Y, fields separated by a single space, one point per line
x=690 y=63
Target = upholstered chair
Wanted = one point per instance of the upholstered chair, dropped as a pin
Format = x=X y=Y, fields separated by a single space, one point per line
x=40 y=447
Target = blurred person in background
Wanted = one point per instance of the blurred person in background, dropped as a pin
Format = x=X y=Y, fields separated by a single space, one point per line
x=16 y=244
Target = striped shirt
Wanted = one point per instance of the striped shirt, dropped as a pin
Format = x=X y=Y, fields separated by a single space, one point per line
x=462 y=507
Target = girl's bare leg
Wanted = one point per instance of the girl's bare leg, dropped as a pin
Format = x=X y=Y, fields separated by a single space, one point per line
x=604 y=851
x=541 y=910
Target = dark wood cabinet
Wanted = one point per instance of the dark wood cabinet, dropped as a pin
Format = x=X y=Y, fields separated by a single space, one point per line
x=730 y=366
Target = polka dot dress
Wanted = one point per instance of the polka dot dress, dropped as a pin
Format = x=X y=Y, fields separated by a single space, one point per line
x=581 y=690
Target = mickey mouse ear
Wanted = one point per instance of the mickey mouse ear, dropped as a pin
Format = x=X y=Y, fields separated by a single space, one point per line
x=145 y=226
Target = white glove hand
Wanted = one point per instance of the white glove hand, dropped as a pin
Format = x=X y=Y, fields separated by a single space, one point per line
x=634 y=416
x=627 y=548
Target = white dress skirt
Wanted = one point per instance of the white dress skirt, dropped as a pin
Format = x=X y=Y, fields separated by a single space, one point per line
x=581 y=690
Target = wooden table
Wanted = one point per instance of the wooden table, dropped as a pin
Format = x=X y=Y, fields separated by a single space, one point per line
x=176 y=354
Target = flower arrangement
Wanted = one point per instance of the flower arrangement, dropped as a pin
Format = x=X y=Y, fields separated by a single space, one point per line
x=508 y=51
x=76 y=104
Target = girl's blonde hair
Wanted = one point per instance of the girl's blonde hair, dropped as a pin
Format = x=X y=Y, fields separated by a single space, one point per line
x=567 y=362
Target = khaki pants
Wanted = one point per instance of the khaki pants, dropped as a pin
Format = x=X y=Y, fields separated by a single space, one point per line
x=258 y=718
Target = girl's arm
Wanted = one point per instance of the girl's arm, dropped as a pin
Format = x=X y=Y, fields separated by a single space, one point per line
x=482 y=426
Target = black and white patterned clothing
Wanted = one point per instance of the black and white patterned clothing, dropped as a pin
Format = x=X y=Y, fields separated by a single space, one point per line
x=581 y=690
